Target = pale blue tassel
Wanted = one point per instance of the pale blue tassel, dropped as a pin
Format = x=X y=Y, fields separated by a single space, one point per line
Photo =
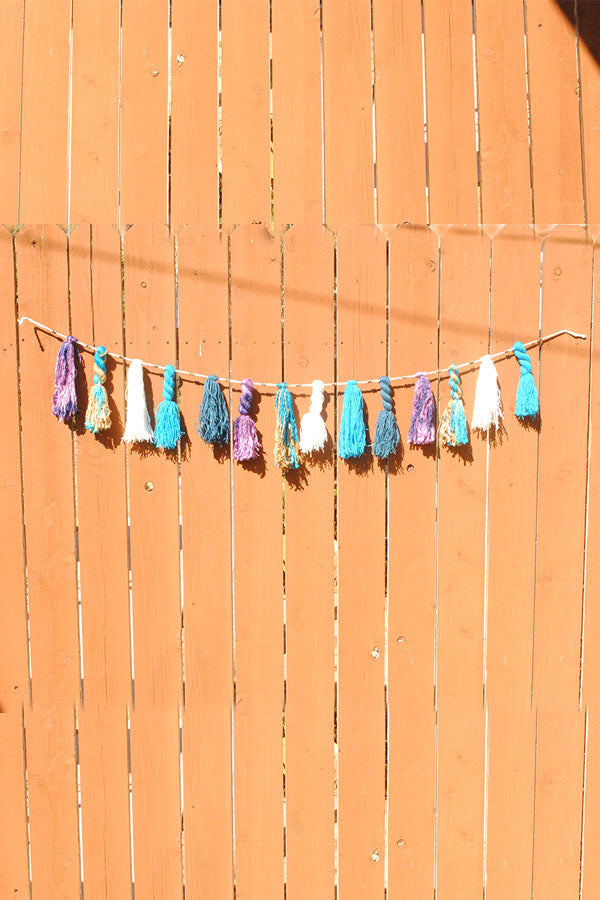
x=527 y=405
x=168 y=428
x=387 y=433
x=353 y=433
x=213 y=418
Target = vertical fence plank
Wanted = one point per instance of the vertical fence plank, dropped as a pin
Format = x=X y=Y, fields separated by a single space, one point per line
x=591 y=657
x=246 y=128
x=194 y=131
x=361 y=349
x=566 y=303
x=555 y=138
x=11 y=44
x=511 y=578
x=95 y=112
x=309 y=568
x=144 y=110
x=50 y=535
x=399 y=120
x=453 y=177
x=206 y=534
x=14 y=675
x=155 y=579
x=96 y=316
x=348 y=115
x=258 y=576
x=503 y=126
x=414 y=273
x=297 y=163
x=588 y=27
x=464 y=318
x=45 y=112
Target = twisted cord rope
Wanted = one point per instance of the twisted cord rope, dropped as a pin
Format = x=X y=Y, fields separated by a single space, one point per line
x=386 y=393
x=169 y=383
x=412 y=377
x=246 y=398
x=455 y=385
x=316 y=398
x=522 y=357
x=99 y=365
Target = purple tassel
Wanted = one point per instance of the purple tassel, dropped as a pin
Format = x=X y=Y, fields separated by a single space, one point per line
x=422 y=423
x=245 y=439
x=64 y=399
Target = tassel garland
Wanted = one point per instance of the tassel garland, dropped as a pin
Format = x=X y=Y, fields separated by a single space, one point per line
x=138 y=428
x=213 y=418
x=453 y=427
x=353 y=433
x=387 y=433
x=487 y=409
x=64 y=399
x=286 y=431
x=527 y=405
x=97 y=417
x=168 y=427
x=245 y=439
x=422 y=422
x=313 y=433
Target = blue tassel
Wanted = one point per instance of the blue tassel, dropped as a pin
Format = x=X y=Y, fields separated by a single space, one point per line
x=168 y=429
x=387 y=433
x=286 y=431
x=353 y=433
x=453 y=427
x=213 y=418
x=527 y=404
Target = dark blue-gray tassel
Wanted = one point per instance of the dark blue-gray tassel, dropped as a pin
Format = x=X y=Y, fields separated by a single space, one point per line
x=387 y=433
x=213 y=418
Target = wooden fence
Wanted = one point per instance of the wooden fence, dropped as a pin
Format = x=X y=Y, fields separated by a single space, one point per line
x=357 y=678
x=303 y=111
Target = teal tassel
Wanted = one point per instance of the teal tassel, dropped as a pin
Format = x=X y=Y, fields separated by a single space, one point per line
x=387 y=433
x=527 y=404
x=286 y=431
x=168 y=429
x=453 y=427
x=97 y=417
x=213 y=418
x=353 y=433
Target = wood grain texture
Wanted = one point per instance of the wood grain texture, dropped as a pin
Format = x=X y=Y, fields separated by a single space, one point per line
x=588 y=27
x=555 y=136
x=144 y=129
x=51 y=571
x=399 y=114
x=155 y=578
x=452 y=170
x=194 y=132
x=503 y=126
x=361 y=512
x=515 y=312
x=11 y=45
x=45 y=113
x=96 y=315
x=95 y=112
x=258 y=575
x=347 y=114
x=414 y=276
x=309 y=347
x=246 y=127
x=207 y=552
x=464 y=332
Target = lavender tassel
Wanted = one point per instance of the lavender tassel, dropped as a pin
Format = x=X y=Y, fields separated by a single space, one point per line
x=64 y=399
x=422 y=423
x=245 y=439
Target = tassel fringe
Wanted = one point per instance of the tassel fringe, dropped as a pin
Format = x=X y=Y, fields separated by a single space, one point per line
x=313 y=432
x=97 y=417
x=64 y=399
x=487 y=409
x=527 y=405
x=138 y=428
x=213 y=418
x=353 y=433
x=168 y=427
x=422 y=423
x=286 y=431
x=246 y=444
x=453 y=428
x=387 y=433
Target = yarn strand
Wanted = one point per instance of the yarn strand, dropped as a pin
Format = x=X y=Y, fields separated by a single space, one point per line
x=246 y=444
x=286 y=431
x=97 y=417
x=64 y=399
x=453 y=427
x=313 y=432
x=387 y=433
x=168 y=427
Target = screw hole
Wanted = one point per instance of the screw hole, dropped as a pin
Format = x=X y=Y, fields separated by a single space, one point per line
x=149 y=486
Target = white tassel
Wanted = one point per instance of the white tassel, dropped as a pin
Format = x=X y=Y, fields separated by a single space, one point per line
x=313 y=433
x=137 y=426
x=487 y=410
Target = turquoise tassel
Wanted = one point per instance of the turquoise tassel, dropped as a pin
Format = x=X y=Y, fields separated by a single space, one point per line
x=453 y=427
x=353 y=433
x=527 y=404
x=387 y=433
x=286 y=431
x=213 y=418
x=97 y=417
x=168 y=429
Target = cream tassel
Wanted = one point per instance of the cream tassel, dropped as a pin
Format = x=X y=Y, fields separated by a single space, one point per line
x=137 y=426
x=313 y=432
x=487 y=410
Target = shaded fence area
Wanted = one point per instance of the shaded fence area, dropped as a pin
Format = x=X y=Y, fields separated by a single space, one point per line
x=220 y=681
x=308 y=111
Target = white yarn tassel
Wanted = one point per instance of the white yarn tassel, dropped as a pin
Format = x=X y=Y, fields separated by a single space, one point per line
x=137 y=426
x=313 y=433
x=487 y=410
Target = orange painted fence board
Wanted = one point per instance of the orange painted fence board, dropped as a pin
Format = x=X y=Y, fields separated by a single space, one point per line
x=10 y=108
x=443 y=767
